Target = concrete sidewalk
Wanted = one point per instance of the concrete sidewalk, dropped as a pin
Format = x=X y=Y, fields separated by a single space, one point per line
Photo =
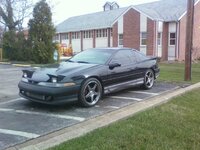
x=80 y=129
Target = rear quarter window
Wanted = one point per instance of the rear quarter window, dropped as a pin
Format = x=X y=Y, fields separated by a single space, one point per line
x=140 y=57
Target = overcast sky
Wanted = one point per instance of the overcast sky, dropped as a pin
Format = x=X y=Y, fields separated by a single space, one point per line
x=63 y=9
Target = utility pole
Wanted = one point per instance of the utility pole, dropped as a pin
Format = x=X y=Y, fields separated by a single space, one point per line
x=189 y=40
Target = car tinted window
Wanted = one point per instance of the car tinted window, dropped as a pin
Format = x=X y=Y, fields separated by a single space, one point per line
x=123 y=57
x=140 y=56
x=92 y=56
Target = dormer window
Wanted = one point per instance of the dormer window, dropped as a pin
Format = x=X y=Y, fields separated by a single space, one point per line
x=107 y=7
x=110 y=6
x=115 y=5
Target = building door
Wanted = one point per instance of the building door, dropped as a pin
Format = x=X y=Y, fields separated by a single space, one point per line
x=172 y=46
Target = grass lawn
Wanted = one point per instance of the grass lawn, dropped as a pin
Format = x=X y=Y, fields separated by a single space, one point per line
x=175 y=125
x=174 y=72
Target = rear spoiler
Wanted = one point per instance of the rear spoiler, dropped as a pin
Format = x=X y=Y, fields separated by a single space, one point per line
x=153 y=57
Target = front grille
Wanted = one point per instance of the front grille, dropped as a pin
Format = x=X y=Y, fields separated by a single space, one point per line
x=36 y=96
x=33 y=95
x=32 y=82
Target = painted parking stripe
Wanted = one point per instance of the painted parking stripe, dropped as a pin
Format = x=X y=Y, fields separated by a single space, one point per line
x=10 y=101
x=142 y=92
x=127 y=98
x=42 y=114
x=19 y=133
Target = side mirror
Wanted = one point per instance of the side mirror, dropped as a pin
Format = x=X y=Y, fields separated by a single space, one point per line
x=113 y=65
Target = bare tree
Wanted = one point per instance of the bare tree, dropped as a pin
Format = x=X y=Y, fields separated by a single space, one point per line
x=13 y=13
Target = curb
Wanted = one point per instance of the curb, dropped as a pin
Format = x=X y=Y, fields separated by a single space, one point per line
x=16 y=65
x=5 y=63
x=21 y=65
x=80 y=129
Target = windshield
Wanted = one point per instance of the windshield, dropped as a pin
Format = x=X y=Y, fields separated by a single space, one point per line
x=92 y=56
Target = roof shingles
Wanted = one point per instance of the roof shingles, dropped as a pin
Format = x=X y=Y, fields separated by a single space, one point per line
x=163 y=10
x=90 y=21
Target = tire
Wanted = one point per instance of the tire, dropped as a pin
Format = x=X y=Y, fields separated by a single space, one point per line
x=90 y=92
x=149 y=79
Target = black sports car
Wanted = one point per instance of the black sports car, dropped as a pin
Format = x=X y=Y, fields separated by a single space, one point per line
x=88 y=75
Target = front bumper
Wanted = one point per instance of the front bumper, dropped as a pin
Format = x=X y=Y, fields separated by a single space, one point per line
x=48 y=95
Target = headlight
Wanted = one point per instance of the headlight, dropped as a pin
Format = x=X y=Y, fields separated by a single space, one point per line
x=49 y=84
x=25 y=75
x=54 y=80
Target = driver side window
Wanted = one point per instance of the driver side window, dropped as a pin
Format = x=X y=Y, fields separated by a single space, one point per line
x=122 y=57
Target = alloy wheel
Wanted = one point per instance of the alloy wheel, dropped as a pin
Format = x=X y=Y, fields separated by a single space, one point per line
x=149 y=79
x=91 y=92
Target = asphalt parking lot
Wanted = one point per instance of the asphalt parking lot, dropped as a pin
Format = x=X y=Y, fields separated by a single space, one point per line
x=22 y=120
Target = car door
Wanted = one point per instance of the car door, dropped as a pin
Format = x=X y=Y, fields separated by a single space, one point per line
x=141 y=64
x=124 y=72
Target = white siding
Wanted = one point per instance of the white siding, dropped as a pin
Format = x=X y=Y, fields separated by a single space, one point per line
x=160 y=26
x=111 y=42
x=172 y=27
x=143 y=28
x=120 y=25
x=102 y=42
x=143 y=49
x=76 y=45
x=143 y=23
x=159 y=53
x=159 y=30
x=87 y=43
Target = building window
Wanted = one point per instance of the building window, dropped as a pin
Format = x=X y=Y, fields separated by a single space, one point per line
x=111 y=32
x=159 y=38
x=64 y=36
x=56 y=37
x=76 y=35
x=105 y=33
x=143 y=38
x=101 y=33
x=87 y=34
x=172 y=38
x=121 y=39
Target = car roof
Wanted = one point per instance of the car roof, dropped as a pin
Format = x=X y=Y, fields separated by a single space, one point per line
x=111 y=49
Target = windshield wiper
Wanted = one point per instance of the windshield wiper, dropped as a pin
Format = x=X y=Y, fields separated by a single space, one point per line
x=83 y=62
x=69 y=60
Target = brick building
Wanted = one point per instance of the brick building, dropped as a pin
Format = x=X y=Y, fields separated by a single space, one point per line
x=156 y=28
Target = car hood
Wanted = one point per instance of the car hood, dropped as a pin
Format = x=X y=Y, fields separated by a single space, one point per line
x=67 y=69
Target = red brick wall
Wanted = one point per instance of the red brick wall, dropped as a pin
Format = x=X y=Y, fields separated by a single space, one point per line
x=115 y=35
x=70 y=38
x=81 y=40
x=196 y=35
x=94 y=38
x=165 y=41
x=151 y=36
x=131 y=36
x=182 y=36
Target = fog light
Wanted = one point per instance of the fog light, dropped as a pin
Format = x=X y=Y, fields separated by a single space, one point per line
x=48 y=98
